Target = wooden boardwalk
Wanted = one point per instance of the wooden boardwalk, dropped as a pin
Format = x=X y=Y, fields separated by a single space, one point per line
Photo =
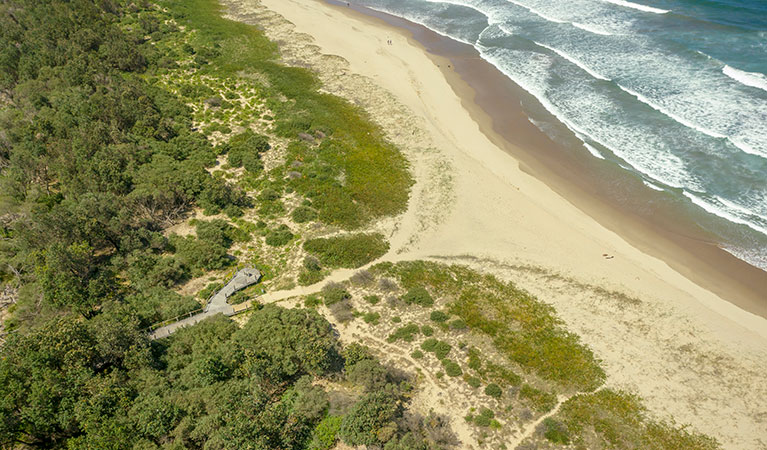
x=217 y=304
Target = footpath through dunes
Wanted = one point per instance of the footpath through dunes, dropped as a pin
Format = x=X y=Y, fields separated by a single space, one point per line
x=242 y=279
x=473 y=204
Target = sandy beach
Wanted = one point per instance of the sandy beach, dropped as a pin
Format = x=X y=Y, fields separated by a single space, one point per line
x=691 y=354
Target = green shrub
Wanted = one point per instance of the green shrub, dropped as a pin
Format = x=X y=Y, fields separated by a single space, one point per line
x=366 y=423
x=502 y=374
x=451 y=368
x=615 y=419
x=439 y=348
x=350 y=251
x=333 y=293
x=418 y=296
x=475 y=362
x=473 y=382
x=555 y=431
x=429 y=345
x=493 y=390
x=458 y=324
x=406 y=333
x=233 y=211
x=522 y=328
x=307 y=277
x=368 y=373
x=371 y=317
x=442 y=349
x=325 y=433
x=396 y=319
x=481 y=421
x=217 y=232
x=539 y=400
x=312 y=301
x=486 y=412
x=438 y=316
x=427 y=330
x=417 y=354
x=302 y=214
x=199 y=254
x=238 y=297
x=372 y=299
x=312 y=264
x=279 y=237
x=354 y=353
x=206 y=292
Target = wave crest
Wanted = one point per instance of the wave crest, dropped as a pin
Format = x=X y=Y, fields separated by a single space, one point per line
x=637 y=6
x=751 y=79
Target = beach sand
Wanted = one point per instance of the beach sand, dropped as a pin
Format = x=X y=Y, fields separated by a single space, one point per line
x=689 y=353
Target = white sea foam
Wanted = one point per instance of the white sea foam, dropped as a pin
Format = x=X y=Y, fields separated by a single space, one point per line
x=644 y=8
x=666 y=168
x=751 y=256
x=752 y=79
x=723 y=212
x=591 y=29
x=538 y=13
x=490 y=18
x=740 y=208
x=422 y=22
x=665 y=111
x=593 y=151
x=652 y=186
x=574 y=61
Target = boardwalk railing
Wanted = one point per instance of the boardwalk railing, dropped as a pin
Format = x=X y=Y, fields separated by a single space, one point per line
x=173 y=320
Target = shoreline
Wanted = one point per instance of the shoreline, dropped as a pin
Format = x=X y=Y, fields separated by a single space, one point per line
x=494 y=102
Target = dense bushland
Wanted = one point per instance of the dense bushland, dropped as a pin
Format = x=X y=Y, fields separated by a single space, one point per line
x=99 y=155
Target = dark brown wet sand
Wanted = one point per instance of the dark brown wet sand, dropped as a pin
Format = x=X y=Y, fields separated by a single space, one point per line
x=647 y=219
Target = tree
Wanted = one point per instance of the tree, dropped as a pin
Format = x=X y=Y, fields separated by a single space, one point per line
x=289 y=342
x=371 y=420
x=70 y=276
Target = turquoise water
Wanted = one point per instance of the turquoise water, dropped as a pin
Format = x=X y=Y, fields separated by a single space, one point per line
x=672 y=91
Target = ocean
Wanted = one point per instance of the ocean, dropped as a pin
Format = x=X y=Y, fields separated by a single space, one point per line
x=671 y=91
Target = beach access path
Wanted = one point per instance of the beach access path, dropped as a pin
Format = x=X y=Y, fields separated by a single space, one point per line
x=217 y=304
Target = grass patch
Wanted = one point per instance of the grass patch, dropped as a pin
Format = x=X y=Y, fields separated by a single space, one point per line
x=539 y=400
x=334 y=293
x=438 y=316
x=350 y=251
x=375 y=179
x=418 y=296
x=615 y=419
x=371 y=318
x=452 y=369
x=493 y=390
x=440 y=348
x=522 y=328
x=406 y=333
x=279 y=236
x=473 y=382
